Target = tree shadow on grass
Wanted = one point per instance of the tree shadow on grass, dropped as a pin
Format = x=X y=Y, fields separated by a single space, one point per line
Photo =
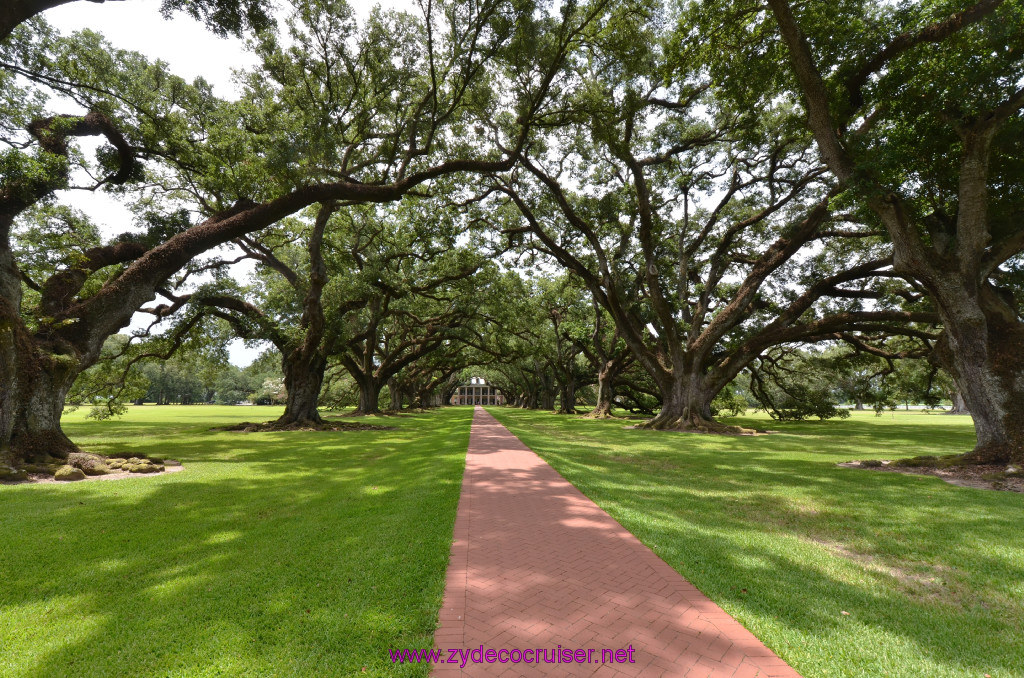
x=288 y=556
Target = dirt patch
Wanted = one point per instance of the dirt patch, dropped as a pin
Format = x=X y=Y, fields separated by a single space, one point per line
x=407 y=412
x=924 y=579
x=978 y=476
x=269 y=426
x=735 y=431
x=113 y=475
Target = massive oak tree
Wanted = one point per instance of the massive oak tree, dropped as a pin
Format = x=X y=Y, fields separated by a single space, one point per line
x=917 y=110
x=343 y=113
x=708 y=232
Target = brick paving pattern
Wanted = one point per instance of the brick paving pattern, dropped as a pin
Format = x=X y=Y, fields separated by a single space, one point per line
x=535 y=564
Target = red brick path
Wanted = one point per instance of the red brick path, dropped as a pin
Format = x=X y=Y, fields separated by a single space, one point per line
x=535 y=564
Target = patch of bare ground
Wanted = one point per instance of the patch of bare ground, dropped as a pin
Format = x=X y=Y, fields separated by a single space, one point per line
x=928 y=580
x=978 y=476
x=269 y=426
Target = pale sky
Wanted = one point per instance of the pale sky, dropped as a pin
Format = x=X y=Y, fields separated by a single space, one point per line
x=191 y=51
x=185 y=44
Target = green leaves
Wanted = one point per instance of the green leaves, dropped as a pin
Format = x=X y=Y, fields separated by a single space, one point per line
x=225 y=17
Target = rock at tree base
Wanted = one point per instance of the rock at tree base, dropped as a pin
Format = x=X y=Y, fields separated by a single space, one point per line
x=171 y=462
x=43 y=469
x=136 y=465
x=69 y=473
x=90 y=464
x=11 y=473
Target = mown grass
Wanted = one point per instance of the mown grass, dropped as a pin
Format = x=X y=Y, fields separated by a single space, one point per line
x=932 y=575
x=271 y=554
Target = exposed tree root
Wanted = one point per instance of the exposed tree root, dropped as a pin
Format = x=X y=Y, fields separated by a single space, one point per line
x=994 y=453
x=308 y=421
x=271 y=426
x=363 y=413
x=695 y=425
x=37 y=446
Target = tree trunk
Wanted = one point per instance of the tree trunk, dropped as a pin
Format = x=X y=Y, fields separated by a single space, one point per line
x=547 y=400
x=303 y=379
x=567 y=396
x=981 y=348
x=605 y=393
x=10 y=326
x=34 y=384
x=396 y=395
x=959 y=406
x=603 y=408
x=859 y=404
x=369 y=397
x=38 y=393
x=686 y=406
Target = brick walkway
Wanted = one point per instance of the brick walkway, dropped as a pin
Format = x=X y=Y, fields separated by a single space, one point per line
x=535 y=564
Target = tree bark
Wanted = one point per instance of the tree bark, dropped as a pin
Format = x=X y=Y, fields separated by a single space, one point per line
x=603 y=408
x=36 y=379
x=567 y=397
x=428 y=399
x=396 y=395
x=959 y=406
x=369 y=396
x=42 y=383
x=686 y=406
x=981 y=347
x=303 y=379
x=606 y=376
x=10 y=327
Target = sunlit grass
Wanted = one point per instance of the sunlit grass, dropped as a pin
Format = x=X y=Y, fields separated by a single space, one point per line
x=271 y=554
x=932 y=575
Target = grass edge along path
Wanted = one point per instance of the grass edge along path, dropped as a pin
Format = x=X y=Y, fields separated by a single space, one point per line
x=842 y=572
x=271 y=554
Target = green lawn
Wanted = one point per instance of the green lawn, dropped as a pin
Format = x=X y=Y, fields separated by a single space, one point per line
x=932 y=575
x=271 y=554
